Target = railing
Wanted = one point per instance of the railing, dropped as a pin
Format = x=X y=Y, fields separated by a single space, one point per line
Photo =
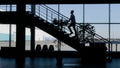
x=50 y=15
x=47 y=13
x=94 y=36
x=7 y=8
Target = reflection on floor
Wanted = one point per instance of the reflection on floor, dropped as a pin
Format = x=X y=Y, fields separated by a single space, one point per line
x=51 y=63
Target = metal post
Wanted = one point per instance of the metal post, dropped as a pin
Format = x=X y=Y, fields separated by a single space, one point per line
x=59 y=56
x=6 y=7
x=33 y=9
x=33 y=31
x=109 y=29
x=10 y=7
x=111 y=47
x=32 y=39
x=39 y=10
x=10 y=35
x=59 y=42
x=51 y=16
x=10 y=30
x=116 y=47
x=46 y=14
x=84 y=23
x=20 y=29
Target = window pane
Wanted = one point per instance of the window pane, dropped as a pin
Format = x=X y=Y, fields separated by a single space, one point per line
x=115 y=13
x=96 y=13
x=102 y=30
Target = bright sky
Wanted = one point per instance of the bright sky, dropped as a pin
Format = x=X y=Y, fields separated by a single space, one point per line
x=94 y=13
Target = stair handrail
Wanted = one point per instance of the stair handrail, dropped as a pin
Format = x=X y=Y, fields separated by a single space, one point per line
x=96 y=35
x=56 y=11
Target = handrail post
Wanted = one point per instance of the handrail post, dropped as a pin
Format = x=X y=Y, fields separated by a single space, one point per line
x=77 y=32
x=51 y=16
x=10 y=29
x=116 y=47
x=39 y=10
x=46 y=14
x=33 y=9
x=10 y=7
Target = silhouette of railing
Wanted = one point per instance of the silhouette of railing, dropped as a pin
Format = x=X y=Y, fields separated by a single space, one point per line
x=96 y=37
x=50 y=15
x=7 y=8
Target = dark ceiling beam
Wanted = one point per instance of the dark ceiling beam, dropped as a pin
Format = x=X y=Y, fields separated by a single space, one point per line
x=60 y=1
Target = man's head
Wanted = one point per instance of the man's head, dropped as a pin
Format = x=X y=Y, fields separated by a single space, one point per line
x=72 y=11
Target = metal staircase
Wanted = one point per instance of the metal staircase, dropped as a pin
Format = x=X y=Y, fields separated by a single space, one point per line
x=55 y=23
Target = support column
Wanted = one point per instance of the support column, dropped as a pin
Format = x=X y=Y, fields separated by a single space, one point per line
x=32 y=39
x=20 y=29
x=20 y=35
x=32 y=31
x=20 y=38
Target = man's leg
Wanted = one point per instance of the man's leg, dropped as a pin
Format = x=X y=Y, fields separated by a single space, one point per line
x=70 y=29
x=75 y=29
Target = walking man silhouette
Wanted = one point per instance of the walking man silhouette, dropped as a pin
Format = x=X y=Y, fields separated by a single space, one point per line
x=72 y=22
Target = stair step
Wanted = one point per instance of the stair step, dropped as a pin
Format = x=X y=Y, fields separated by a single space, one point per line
x=41 y=20
x=51 y=25
x=37 y=17
x=28 y=12
x=63 y=32
x=67 y=35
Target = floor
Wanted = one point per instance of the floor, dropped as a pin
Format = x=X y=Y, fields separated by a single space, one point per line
x=51 y=63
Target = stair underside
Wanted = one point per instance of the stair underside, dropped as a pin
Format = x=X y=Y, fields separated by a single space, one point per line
x=11 y=18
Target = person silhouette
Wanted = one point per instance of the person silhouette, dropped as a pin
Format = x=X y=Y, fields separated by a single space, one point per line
x=72 y=22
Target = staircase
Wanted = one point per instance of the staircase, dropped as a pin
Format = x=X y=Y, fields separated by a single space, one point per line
x=55 y=31
x=55 y=23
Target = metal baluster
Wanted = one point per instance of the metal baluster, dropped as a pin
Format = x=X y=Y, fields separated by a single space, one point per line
x=116 y=47
x=39 y=10
x=10 y=29
x=46 y=14
x=51 y=16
